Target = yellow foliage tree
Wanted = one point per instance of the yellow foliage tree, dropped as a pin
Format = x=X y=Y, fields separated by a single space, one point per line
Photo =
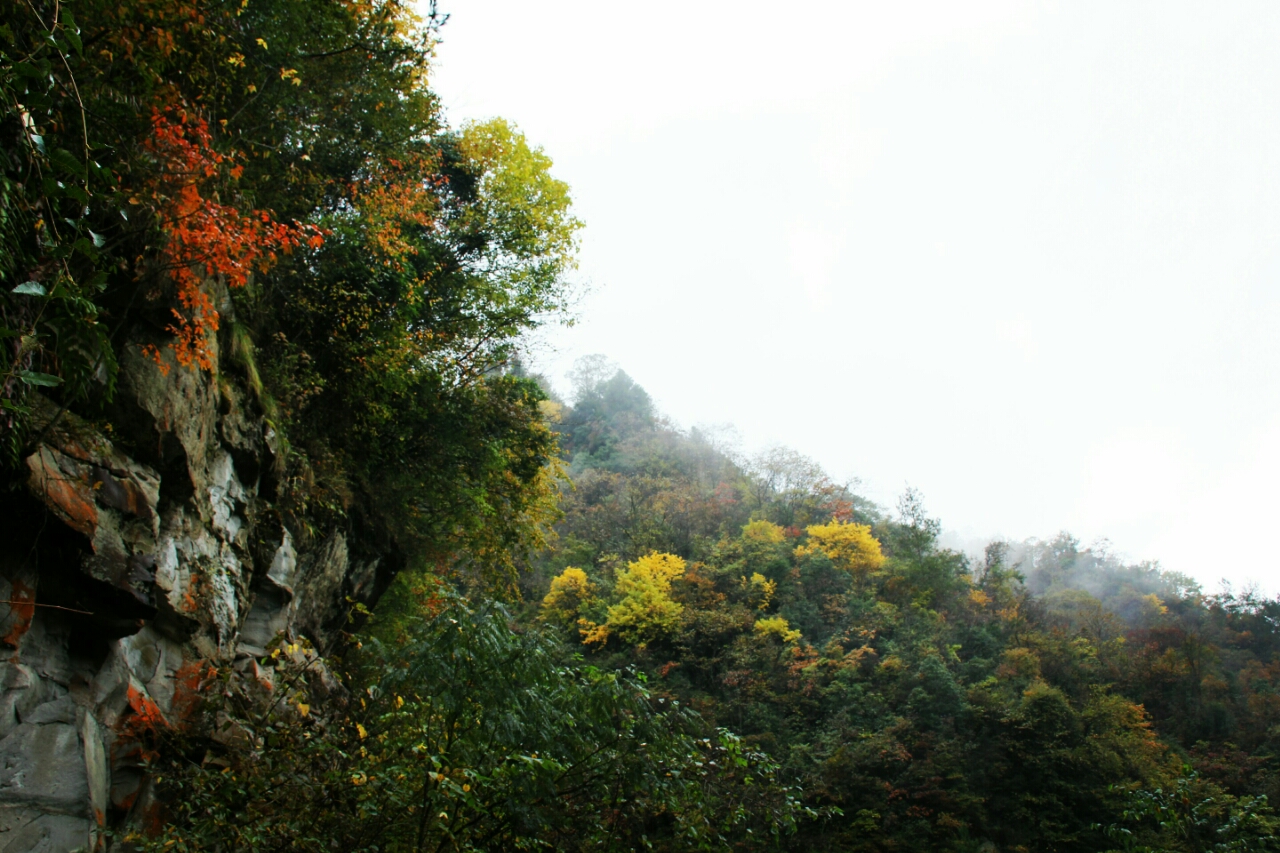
x=760 y=590
x=849 y=546
x=778 y=627
x=645 y=609
x=763 y=533
x=569 y=591
x=522 y=205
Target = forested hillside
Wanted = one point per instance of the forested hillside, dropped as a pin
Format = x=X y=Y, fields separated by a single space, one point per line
x=297 y=556
x=1043 y=697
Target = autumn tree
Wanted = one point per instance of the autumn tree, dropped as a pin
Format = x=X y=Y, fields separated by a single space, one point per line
x=571 y=592
x=848 y=545
x=645 y=610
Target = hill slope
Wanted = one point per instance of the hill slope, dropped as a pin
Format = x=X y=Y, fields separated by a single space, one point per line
x=1023 y=702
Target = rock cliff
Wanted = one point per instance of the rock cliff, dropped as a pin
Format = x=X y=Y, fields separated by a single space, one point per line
x=141 y=555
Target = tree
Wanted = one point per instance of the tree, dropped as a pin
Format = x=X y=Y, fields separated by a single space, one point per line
x=645 y=610
x=776 y=626
x=848 y=545
x=781 y=478
x=571 y=591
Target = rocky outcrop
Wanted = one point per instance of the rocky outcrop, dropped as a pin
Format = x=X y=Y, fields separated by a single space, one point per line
x=140 y=557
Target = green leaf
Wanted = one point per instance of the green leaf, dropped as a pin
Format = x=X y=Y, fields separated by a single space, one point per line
x=34 y=70
x=98 y=239
x=30 y=288
x=71 y=32
x=65 y=160
x=32 y=378
x=86 y=248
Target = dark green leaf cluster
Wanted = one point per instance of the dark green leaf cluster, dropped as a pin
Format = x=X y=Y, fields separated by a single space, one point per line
x=53 y=194
x=1192 y=816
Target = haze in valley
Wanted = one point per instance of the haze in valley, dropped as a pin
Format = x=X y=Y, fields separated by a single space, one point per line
x=1019 y=256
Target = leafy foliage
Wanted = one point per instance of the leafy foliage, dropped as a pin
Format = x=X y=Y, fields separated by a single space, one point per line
x=174 y=164
x=202 y=237
x=269 y=190
x=53 y=195
x=848 y=546
x=645 y=610
x=1192 y=815
x=459 y=734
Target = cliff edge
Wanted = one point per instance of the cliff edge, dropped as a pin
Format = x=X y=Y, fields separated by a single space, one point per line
x=143 y=556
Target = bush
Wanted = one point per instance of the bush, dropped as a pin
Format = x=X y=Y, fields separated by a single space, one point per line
x=458 y=733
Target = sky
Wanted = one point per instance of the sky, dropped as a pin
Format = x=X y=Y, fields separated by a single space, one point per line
x=1023 y=257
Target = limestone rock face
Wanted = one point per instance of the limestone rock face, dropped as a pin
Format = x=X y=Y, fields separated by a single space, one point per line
x=137 y=559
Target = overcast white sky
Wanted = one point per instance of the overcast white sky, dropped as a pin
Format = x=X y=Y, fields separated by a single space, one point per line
x=1022 y=257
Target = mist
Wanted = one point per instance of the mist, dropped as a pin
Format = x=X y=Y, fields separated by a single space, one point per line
x=1018 y=256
